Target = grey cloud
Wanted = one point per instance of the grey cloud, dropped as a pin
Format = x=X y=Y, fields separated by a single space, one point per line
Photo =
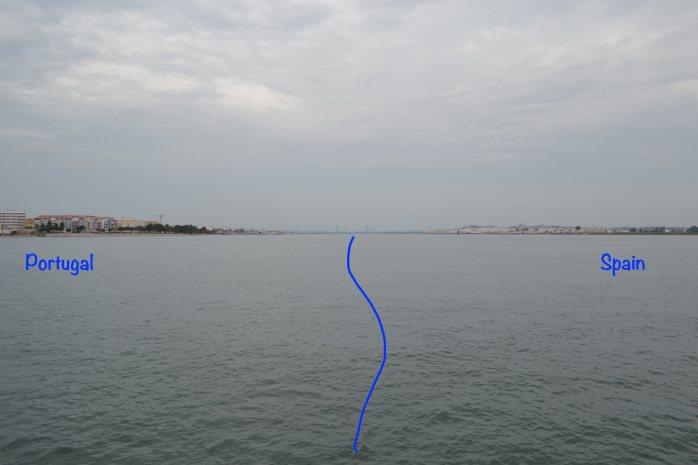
x=293 y=113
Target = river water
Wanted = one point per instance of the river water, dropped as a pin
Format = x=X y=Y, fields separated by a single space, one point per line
x=259 y=350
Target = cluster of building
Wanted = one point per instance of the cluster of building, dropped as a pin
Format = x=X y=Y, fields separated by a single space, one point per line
x=17 y=221
x=557 y=229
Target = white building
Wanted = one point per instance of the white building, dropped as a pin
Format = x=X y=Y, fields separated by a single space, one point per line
x=126 y=223
x=12 y=220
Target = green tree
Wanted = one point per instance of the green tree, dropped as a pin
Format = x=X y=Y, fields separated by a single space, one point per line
x=155 y=227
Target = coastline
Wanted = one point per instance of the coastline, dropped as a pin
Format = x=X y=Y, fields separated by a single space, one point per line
x=416 y=233
x=124 y=234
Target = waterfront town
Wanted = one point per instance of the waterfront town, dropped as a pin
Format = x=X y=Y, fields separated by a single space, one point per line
x=556 y=229
x=13 y=222
x=17 y=223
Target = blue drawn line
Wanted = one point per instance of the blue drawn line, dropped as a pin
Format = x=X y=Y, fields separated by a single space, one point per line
x=385 y=348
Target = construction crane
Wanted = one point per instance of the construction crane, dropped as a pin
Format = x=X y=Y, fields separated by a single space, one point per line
x=160 y=216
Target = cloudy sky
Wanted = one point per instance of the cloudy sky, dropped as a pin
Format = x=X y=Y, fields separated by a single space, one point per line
x=396 y=114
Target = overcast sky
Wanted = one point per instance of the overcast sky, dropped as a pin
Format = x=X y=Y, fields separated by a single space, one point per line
x=396 y=114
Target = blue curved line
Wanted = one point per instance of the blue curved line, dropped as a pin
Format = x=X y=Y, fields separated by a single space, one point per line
x=385 y=349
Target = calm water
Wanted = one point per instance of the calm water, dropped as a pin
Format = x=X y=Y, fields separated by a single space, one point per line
x=259 y=350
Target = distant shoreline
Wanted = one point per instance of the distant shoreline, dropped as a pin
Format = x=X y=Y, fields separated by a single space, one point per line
x=127 y=234
x=297 y=233
x=567 y=234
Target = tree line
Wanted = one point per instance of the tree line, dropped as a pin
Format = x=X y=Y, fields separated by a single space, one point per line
x=166 y=228
x=51 y=227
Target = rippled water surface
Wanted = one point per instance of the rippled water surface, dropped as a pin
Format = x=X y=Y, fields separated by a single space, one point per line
x=259 y=350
